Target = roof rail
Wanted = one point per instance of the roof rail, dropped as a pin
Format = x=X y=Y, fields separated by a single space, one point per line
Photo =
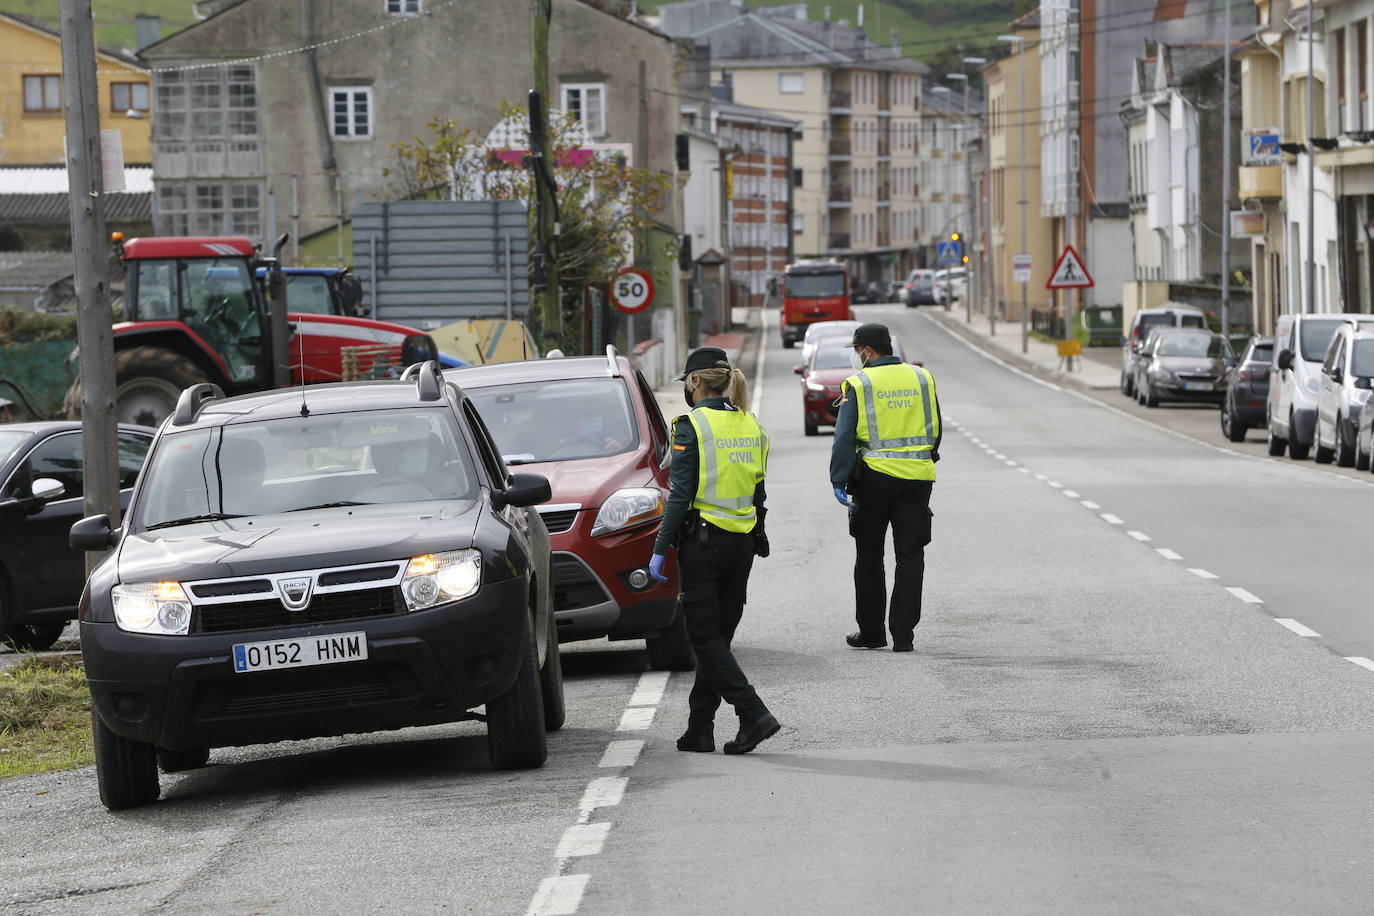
x=428 y=380
x=411 y=372
x=612 y=360
x=192 y=400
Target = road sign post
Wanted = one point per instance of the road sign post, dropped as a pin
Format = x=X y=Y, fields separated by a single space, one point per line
x=1021 y=268
x=632 y=291
x=1069 y=273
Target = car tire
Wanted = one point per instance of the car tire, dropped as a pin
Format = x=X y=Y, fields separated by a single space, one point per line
x=1148 y=398
x=811 y=429
x=1233 y=431
x=515 y=720
x=788 y=343
x=1297 y=451
x=33 y=637
x=125 y=770
x=154 y=375
x=169 y=761
x=1345 y=452
x=1126 y=387
x=551 y=682
x=671 y=649
x=1277 y=446
x=1361 y=458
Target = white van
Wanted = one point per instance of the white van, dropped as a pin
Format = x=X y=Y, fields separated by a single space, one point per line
x=1300 y=345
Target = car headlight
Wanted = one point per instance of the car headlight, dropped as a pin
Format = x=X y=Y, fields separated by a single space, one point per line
x=813 y=386
x=628 y=508
x=152 y=607
x=1160 y=372
x=438 y=578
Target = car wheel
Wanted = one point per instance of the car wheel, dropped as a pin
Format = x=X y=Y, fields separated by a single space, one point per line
x=1277 y=446
x=34 y=637
x=671 y=649
x=515 y=720
x=1296 y=450
x=1361 y=457
x=788 y=343
x=1233 y=431
x=812 y=429
x=1149 y=399
x=1126 y=387
x=551 y=682
x=179 y=761
x=125 y=770
x=1345 y=452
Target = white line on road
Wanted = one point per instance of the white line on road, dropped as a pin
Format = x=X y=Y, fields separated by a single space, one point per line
x=1296 y=627
x=1111 y=519
x=1201 y=573
x=1167 y=554
x=621 y=754
x=1071 y=494
x=1056 y=484
x=1243 y=595
x=1009 y=463
x=636 y=719
x=757 y=394
x=650 y=689
x=1361 y=661
x=1089 y=504
x=999 y=456
x=583 y=840
x=603 y=792
x=989 y=357
x=1042 y=477
x=1140 y=536
x=1024 y=470
x=560 y=895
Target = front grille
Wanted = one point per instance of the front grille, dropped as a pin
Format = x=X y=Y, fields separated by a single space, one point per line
x=354 y=576
x=559 y=520
x=1196 y=377
x=574 y=586
x=266 y=613
x=229 y=589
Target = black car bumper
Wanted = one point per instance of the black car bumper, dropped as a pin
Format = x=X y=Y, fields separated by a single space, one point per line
x=423 y=668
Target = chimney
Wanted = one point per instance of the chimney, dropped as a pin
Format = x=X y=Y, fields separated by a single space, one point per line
x=860 y=25
x=896 y=42
x=147 y=30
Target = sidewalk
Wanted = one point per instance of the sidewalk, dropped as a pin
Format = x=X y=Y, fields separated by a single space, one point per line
x=1097 y=368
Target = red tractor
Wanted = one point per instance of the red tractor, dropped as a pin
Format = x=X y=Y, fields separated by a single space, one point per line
x=196 y=313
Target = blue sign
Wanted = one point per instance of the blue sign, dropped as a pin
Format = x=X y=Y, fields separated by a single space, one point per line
x=949 y=252
x=1261 y=146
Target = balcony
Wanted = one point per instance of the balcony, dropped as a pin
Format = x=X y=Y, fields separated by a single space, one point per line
x=841 y=146
x=839 y=241
x=884 y=147
x=839 y=99
x=841 y=195
x=1261 y=181
x=884 y=192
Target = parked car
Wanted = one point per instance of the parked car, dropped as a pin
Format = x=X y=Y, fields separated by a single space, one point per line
x=41 y=495
x=1171 y=316
x=1346 y=376
x=952 y=281
x=294 y=564
x=1247 y=385
x=1364 y=440
x=815 y=332
x=592 y=426
x=919 y=288
x=1301 y=342
x=823 y=377
x=1183 y=364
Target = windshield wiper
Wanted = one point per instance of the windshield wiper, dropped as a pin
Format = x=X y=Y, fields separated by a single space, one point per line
x=207 y=517
x=336 y=505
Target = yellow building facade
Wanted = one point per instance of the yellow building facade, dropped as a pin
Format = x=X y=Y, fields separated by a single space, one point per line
x=31 y=120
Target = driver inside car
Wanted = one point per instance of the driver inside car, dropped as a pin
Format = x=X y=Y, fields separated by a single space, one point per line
x=400 y=467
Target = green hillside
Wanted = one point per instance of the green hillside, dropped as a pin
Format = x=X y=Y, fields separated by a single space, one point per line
x=929 y=30
x=114 y=19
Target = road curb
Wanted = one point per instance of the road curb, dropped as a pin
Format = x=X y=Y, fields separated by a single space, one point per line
x=1011 y=357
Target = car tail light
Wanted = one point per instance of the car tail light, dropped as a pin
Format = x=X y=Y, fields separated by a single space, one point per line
x=1251 y=373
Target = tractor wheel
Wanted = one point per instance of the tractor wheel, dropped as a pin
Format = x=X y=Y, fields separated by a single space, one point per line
x=148 y=381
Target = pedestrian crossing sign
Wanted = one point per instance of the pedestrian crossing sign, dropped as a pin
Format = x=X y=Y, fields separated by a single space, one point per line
x=1069 y=272
x=949 y=252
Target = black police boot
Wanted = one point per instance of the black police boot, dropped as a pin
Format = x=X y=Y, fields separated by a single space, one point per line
x=752 y=735
x=697 y=740
x=860 y=641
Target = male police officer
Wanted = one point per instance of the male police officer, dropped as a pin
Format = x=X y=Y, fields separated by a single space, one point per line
x=887 y=440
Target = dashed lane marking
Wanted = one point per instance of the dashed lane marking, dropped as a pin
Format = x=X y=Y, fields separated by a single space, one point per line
x=1024 y=470
x=1243 y=595
x=560 y=895
x=636 y=719
x=1000 y=362
x=1089 y=504
x=1201 y=573
x=583 y=840
x=1071 y=494
x=621 y=754
x=1167 y=554
x=1140 y=536
x=1042 y=477
x=649 y=691
x=1361 y=661
x=603 y=792
x=1055 y=484
x=1296 y=627
x=1111 y=519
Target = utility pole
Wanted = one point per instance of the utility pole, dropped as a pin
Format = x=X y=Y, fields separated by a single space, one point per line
x=546 y=313
x=81 y=104
x=1071 y=172
x=1020 y=42
x=1226 y=180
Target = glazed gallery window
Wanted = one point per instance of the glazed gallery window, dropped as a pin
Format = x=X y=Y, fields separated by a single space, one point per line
x=587 y=103
x=402 y=7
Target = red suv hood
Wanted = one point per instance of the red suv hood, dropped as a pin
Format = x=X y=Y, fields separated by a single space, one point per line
x=830 y=378
x=588 y=481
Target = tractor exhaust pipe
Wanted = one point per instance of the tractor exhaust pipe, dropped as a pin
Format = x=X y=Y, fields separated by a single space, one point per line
x=276 y=315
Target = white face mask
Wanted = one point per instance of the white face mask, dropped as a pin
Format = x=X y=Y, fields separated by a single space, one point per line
x=855 y=360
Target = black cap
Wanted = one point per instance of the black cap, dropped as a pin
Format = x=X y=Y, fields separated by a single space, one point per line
x=705 y=358
x=872 y=335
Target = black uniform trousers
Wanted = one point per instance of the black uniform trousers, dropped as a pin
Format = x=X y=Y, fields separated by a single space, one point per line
x=714 y=578
x=882 y=500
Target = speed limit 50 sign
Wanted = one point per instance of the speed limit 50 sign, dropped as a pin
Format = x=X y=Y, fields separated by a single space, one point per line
x=632 y=290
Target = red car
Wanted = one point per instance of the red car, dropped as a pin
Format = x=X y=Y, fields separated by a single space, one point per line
x=591 y=425
x=822 y=378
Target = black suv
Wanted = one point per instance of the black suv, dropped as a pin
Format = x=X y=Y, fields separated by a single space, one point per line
x=350 y=558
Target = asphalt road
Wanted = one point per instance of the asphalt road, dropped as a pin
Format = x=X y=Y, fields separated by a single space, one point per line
x=1086 y=726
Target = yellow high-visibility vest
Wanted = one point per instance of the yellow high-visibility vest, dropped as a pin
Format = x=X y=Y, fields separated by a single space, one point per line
x=732 y=453
x=898 y=424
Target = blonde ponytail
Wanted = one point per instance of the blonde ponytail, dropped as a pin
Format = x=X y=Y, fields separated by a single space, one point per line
x=739 y=390
x=728 y=382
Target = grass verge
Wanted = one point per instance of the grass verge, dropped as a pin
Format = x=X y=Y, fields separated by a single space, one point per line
x=45 y=716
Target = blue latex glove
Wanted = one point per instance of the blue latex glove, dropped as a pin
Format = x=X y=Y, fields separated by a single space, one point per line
x=842 y=497
x=656 y=567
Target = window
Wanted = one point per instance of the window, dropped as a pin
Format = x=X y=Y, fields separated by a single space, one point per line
x=587 y=103
x=798 y=222
x=351 y=112
x=791 y=83
x=42 y=93
x=797 y=177
x=128 y=97
x=402 y=7
x=209 y=208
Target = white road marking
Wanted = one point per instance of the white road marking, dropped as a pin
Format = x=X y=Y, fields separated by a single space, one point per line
x=1024 y=470
x=636 y=719
x=999 y=456
x=1243 y=595
x=990 y=358
x=560 y=895
x=1201 y=573
x=1167 y=554
x=1071 y=494
x=1140 y=536
x=583 y=840
x=1296 y=627
x=1111 y=519
x=603 y=792
x=756 y=396
x=1042 y=477
x=649 y=691
x=1009 y=463
x=1089 y=504
x=1056 y=484
x=1361 y=661
x=620 y=754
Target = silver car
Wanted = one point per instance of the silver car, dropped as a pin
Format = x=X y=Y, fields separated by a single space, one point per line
x=1345 y=387
x=1183 y=364
x=1174 y=315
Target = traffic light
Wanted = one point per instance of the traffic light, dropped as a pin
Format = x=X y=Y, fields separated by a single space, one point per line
x=954 y=236
x=965 y=259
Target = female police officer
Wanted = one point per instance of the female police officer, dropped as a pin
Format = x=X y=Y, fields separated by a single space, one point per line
x=715 y=516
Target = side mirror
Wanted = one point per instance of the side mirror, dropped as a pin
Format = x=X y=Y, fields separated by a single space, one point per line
x=525 y=490
x=799 y=369
x=46 y=489
x=93 y=533
x=1285 y=360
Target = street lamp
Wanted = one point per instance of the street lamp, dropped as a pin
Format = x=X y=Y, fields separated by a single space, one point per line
x=1020 y=43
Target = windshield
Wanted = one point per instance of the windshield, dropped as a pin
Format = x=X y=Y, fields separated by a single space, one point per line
x=309 y=294
x=214 y=296
x=559 y=420
x=1362 y=358
x=1196 y=345
x=829 y=329
x=11 y=439
x=385 y=456
x=834 y=354
x=1316 y=336
x=814 y=286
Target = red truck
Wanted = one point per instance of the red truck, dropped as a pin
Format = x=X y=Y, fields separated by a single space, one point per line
x=812 y=291
x=195 y=313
